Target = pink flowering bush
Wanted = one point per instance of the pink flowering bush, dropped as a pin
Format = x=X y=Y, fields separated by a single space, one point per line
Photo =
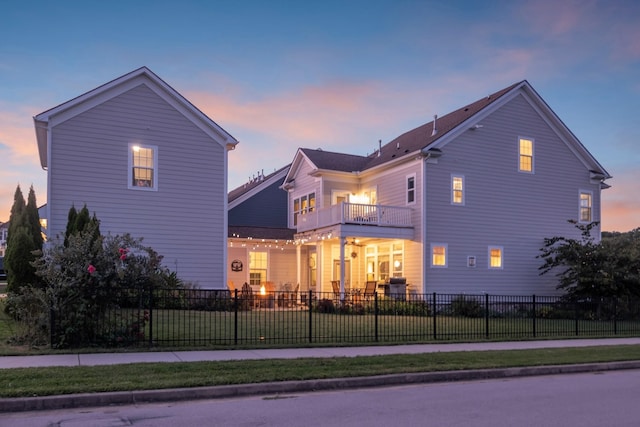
x=84 y=283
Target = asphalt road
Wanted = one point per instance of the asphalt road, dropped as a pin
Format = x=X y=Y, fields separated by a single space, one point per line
x=587 y=400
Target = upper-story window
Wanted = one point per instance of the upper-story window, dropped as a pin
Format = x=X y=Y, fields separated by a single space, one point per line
x=302 y=205
x=143 y=167
x=586 y=209
x=411 y=189
x=457 y=189
x=525 y=155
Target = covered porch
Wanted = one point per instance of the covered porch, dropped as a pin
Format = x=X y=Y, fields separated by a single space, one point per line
x=350 y=247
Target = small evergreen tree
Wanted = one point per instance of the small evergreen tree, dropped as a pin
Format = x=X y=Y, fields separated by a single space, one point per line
x=71 y=224
x=20 y=245
x=33 y=219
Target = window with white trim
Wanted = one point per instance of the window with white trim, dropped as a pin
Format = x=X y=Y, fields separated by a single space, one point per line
x=303 y=205
x=525 y=155
x=143 y=167
x=438 y=255
x=257 y=268
x=586 y=206
x=457 y=189
x=411 y=189
x=495 y=257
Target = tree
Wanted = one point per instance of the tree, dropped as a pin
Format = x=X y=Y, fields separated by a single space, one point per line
x=33 y=219
x=588 y=269
x=78 y=222
x=22 y=242
x=71 y=224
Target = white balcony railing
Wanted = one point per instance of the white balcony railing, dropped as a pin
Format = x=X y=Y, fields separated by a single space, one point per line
x=353 y=213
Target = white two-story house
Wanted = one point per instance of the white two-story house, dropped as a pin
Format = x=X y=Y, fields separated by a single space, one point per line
x=458 y=205
x=147 y=162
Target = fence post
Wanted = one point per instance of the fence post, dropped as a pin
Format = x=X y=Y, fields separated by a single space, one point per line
x=52 y=326
x=486 y=315
x=150 y=316
x=615 y=315
x=534 y=314
x=375 y=313
x=310 y=315
x=435 y=330
x=576 y=313
x=235 y=316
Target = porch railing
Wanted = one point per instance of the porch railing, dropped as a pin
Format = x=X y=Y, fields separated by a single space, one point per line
x=187 y=317
x=355 y=213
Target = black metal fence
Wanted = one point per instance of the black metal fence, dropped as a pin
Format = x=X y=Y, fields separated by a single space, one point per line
x=184 y=317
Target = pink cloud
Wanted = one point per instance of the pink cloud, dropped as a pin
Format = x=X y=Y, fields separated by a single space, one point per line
x=620 y=203
x=16 y=133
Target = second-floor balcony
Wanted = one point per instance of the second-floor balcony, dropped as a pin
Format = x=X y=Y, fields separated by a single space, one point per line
x=355 y=213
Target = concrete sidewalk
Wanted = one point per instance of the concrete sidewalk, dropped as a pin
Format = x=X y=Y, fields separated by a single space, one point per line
x=289 y=387
x=95 y=359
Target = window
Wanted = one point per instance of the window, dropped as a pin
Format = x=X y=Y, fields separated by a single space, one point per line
x=411 y=189
x=457 y=189
x=495 y=257
x=586 y=206
x=525 y=155
x=302 y=205
x=143 y=160
x=438 y=255
x=257 y=268
x=377 y=259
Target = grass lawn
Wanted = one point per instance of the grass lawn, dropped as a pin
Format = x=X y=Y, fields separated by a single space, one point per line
x=65 y=380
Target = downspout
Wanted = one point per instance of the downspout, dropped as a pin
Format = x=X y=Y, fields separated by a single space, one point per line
x=425 y=251
x=343 y=242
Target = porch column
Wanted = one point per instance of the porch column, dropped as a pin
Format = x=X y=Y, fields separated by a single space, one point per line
x=298 y=268
x=343 y=242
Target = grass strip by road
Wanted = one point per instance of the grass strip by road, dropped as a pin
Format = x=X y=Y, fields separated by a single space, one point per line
x=26 y=382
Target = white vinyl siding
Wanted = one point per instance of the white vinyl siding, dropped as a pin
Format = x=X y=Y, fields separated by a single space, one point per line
x=518 y=208
x=184 y=220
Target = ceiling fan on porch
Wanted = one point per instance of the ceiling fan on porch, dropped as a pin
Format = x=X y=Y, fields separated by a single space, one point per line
x=354 y=242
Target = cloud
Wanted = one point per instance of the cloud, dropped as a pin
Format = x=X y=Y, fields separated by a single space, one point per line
x=620 y=203
x=17 y=134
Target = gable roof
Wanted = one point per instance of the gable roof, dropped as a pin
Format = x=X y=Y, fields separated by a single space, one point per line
x=424 y=138
x=142 y=76
x=243 y=192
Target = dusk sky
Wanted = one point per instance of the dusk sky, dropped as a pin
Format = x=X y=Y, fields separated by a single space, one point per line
x=336 y=75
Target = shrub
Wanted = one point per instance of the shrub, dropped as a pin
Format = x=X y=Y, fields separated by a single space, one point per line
x=89 y=278
x=465 y=306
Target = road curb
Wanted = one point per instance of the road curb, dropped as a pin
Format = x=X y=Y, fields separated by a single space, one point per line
x=287 y=387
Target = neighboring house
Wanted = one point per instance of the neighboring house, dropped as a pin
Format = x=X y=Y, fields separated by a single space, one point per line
x=261 y=247
x=4 y=229
x=146 y=162
x=458 y=205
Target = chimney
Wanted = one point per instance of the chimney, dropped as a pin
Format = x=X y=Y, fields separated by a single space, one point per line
x=435 y=129
x=379 y=147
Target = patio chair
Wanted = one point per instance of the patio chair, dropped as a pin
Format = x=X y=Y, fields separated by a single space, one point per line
x=293 y=296
x=369 y=289
x=335 y=285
